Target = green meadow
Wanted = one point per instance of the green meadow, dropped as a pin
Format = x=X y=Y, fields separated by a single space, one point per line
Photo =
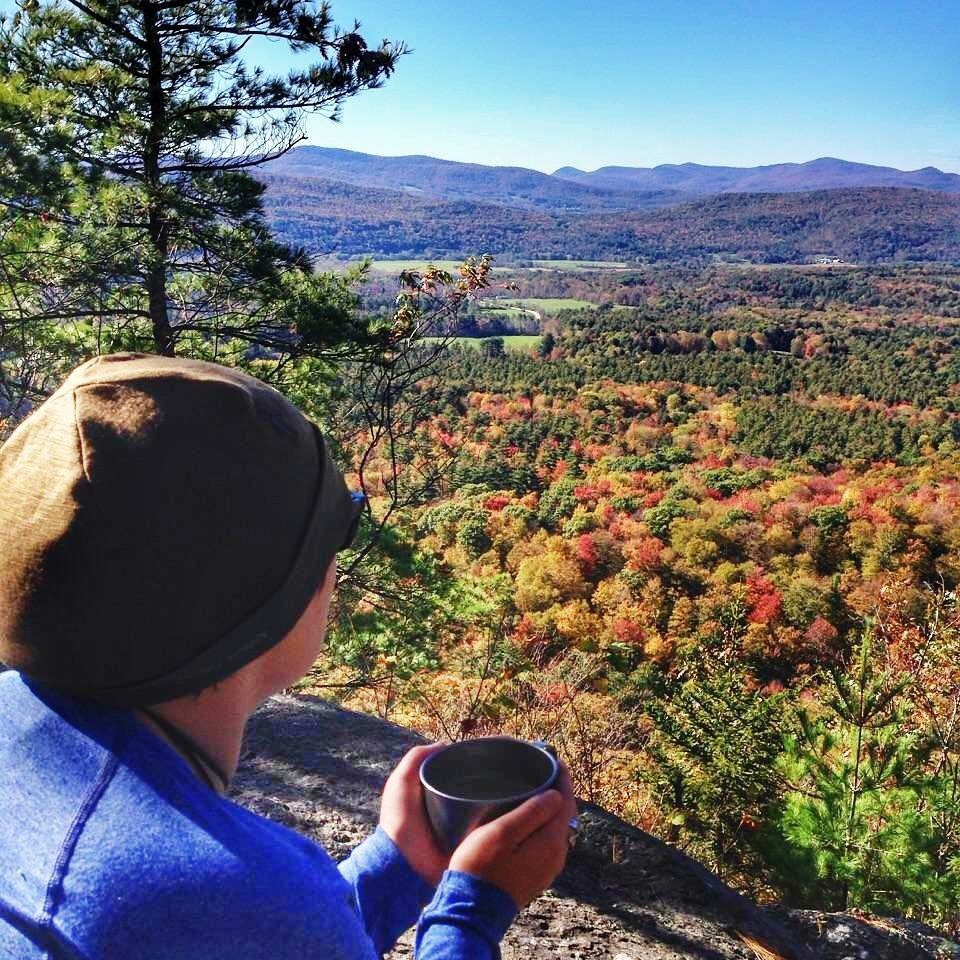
x=397 y=266
x=580 y=264
x=551 y=304
x=515 y=343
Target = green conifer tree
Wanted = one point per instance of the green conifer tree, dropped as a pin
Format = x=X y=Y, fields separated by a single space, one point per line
x=857 y=815
x=712 y=763
x=128 y=130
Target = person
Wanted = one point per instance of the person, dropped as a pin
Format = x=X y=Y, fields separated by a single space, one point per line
x=168 y=532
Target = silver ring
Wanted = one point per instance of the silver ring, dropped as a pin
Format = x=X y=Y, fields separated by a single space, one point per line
x=574 y=824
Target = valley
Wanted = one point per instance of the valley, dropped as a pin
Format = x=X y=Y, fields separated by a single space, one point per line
x=678 y=534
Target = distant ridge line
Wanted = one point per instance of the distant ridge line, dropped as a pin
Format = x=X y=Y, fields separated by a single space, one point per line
x=607 y=188
x=824 y=173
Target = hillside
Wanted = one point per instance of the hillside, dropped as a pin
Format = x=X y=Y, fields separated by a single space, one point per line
x=624 y=894
x=330 y=217
x=609 y=188
x=348 y=203
x=863 y=225
x=429 y=177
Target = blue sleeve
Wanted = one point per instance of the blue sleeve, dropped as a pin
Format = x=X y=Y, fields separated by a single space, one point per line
x=389 y=894
x=466 y=920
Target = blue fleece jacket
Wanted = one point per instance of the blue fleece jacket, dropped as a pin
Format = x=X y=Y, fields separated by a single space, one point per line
x=111 y=849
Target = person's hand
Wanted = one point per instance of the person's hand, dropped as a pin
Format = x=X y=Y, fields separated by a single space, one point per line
x=404 y=817
x=522 y=851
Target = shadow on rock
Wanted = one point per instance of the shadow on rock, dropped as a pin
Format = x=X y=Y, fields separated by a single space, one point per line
x=624 y=894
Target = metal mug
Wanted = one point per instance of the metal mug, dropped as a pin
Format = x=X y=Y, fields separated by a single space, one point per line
x=474 y=781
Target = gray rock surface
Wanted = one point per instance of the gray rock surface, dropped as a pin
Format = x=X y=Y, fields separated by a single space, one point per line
x=624 y=894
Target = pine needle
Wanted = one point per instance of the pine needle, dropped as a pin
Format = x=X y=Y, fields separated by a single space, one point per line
x=760 y=951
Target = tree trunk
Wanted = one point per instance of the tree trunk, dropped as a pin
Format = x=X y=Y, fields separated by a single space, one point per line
x=157 y=227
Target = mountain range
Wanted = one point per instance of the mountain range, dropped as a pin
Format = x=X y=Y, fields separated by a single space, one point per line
x=826 y=173
x=515 y=187
x=340 y=201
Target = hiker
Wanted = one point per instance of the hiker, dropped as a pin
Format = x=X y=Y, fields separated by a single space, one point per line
x=168 y=532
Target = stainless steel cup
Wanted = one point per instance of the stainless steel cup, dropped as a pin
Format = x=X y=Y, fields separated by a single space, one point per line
x=474 y=781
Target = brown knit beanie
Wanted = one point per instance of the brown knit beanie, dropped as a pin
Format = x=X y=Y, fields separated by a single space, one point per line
x=162 y=523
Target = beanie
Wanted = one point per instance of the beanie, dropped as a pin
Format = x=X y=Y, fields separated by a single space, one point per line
x=163 y=522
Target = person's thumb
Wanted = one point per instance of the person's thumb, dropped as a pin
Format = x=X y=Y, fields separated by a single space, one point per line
x=513 y=827
x=408 y=769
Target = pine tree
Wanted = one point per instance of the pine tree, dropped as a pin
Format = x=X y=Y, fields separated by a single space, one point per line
x=128 y=130
x=712 y=764
x=855 y=815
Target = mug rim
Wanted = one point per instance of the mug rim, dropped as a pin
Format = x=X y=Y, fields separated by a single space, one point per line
x=546 y=785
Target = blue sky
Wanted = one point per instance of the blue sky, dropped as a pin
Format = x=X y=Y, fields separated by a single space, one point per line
x=546 y=83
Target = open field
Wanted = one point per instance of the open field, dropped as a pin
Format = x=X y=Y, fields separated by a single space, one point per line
x=504 y=307
x=581 y=264
x=396 y=266
x=551 y=304
x=380 y=265
x=513 y=342
x=507 y=313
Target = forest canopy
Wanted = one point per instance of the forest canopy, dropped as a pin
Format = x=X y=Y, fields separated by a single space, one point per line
x=708 y=544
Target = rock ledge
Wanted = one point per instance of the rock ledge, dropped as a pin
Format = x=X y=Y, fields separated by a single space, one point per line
x=624 y=895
